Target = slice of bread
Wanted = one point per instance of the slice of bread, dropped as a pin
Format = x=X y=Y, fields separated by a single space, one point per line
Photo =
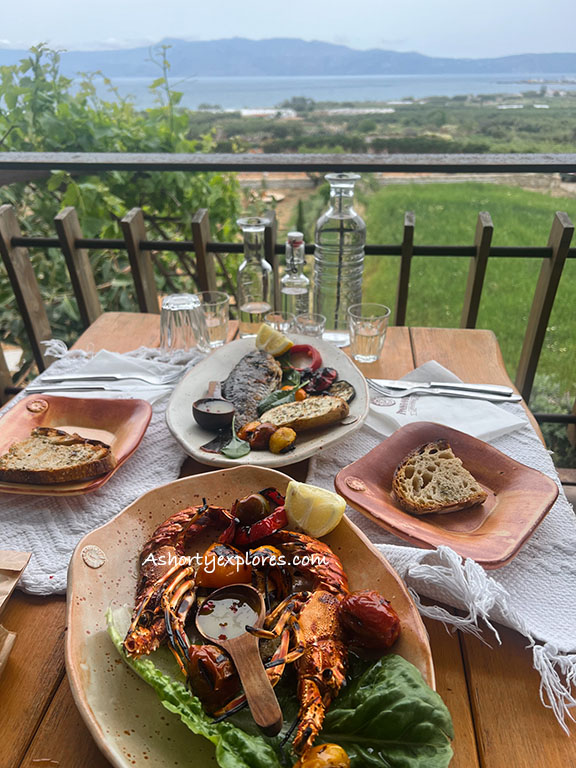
x=311 y=413
x=432 y=479
x=52 y=456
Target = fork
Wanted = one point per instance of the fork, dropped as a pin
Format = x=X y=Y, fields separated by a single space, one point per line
x=381 y=390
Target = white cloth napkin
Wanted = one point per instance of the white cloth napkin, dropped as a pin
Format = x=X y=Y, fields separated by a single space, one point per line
x=51 y=527
x=534 y=594
x=478 y=418
x=161 y=366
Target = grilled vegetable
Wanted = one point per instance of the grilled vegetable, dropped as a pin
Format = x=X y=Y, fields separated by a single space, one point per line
x=251 y=508
x=260 y=437
x=321 y=381
x=324 y=756
x=276 y=398
x=370 y=619
x=249 y=534
x=303 y=357
x=282 y=440
x=342 y=389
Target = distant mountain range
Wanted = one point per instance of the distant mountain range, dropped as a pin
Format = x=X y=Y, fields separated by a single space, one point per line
x=239 y=57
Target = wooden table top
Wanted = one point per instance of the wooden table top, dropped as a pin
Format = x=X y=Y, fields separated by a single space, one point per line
x=492 y=693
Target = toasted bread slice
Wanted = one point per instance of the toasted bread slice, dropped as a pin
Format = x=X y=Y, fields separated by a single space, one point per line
x=432 y=479
x=53 y=456
x=311 y=413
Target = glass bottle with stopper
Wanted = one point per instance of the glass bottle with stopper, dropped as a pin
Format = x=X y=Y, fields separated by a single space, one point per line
x=339 y=258
x=295 y=286
x=254 y=277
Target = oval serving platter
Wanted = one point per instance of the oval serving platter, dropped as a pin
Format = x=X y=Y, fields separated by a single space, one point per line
x=124 y=714
x=217 y=367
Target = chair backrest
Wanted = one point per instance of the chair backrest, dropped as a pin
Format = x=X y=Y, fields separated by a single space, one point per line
x=5 y=378
x=69 y=234
x=25 y=286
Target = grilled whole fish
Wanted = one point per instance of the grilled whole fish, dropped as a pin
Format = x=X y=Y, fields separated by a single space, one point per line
x=254 y=377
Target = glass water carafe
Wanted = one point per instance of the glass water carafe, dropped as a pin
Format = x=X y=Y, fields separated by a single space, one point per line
x=254 y=278
x=340 y=238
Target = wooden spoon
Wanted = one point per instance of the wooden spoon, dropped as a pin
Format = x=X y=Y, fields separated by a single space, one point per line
x=222 y=620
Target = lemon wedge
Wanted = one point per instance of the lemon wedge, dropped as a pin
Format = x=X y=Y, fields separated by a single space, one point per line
x=272 y=341
x=313 y=510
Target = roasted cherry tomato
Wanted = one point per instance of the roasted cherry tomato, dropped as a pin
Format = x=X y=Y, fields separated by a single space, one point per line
x=303 y=357
x=223 y=565
x=251 y=508
x=247 y=535
x=324 y=756
x=260 y=438
x=282 y=440
x=369 y=620
x=245 y=432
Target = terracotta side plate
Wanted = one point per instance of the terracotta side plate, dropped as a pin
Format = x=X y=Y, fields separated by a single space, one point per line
x=120 y=423
x=217 y=367
x=491 y=533
x=124 y=714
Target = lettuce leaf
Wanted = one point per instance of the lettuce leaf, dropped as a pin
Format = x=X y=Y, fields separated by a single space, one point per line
x=234 y=747
x=389 y=718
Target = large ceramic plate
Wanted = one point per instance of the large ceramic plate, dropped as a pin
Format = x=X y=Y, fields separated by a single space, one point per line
x=218 y=365
x=123 y=713
x=120 y=423
x=491 y=533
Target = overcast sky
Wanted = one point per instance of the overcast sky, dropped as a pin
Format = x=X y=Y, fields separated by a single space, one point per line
x=436 y=27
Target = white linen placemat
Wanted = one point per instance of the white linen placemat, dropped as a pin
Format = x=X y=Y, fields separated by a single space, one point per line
x=50 y=527
x=535 y=594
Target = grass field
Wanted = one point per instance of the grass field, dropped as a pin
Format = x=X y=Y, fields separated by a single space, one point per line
x=446 y=215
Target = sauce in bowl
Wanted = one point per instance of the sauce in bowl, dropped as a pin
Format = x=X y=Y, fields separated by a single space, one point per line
x=213 y=413
x=226 y=617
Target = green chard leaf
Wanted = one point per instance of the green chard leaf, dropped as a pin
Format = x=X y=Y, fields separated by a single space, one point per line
x=276 y=398
x=389 y=718
x=236 y=448
x=292 y=376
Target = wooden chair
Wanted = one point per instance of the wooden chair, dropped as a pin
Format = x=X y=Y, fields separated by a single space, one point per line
x=69 y=234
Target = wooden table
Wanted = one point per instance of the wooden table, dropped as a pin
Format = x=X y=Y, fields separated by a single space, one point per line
x=491 y=693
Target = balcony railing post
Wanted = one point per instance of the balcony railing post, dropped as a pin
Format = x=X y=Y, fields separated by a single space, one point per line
x=78 y=263
x=270 y=236
x=205 y=269
x=141 y=265
x=5 y=378
x=405 y=265
x=477 y=271
x=544 y=295
x=25 y=286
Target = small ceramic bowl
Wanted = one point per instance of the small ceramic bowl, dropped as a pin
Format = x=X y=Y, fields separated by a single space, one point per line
x=213 y=413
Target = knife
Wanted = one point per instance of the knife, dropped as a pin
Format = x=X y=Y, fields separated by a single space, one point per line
x=494 y=389
x=39 y=388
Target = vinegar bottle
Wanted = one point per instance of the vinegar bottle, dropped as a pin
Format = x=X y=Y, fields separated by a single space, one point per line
x=295 y=286
x=339 y=258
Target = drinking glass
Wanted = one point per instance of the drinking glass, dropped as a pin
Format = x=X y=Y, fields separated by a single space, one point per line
x=182 y=323
x=367 y=324
x=280 y=321
x=216 y=308
x=311 y=324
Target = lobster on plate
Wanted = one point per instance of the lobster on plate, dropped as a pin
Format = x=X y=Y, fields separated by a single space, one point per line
x=311 y=613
